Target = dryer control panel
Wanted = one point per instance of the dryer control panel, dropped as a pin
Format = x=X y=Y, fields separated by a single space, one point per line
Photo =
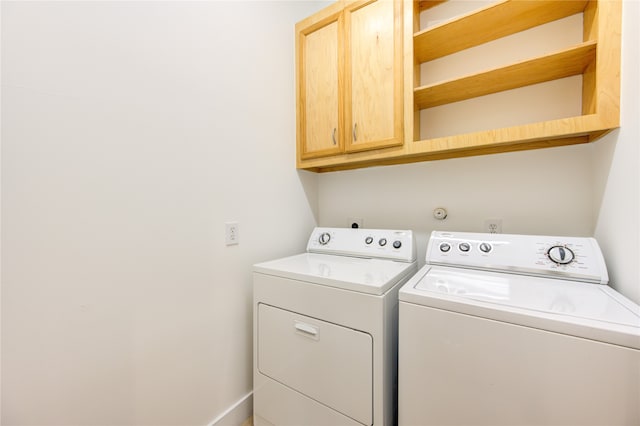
x=391 y=244
x=569 y=258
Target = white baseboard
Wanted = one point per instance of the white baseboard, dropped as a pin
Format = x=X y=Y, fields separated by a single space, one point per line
x=237 y=413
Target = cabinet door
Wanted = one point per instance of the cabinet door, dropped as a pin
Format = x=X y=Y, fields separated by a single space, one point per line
x=320 y=88
x=373 y=74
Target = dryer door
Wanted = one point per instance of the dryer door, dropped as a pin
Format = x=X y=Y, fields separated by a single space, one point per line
x=326 y=362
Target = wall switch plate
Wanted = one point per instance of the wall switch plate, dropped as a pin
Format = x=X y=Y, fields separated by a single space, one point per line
x=354 y=222
x=232 y=233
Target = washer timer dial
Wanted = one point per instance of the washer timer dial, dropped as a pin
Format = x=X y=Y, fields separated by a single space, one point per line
x=324 y=238
x=561 y=255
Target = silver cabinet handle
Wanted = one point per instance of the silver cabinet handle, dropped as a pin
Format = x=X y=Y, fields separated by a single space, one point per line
x=333 y=136
x=355 y=132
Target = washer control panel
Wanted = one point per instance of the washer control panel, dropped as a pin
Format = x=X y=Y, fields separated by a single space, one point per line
x=571 y=258
x=370 y=243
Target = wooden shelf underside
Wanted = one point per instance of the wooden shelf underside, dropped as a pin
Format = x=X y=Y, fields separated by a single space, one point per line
x=490 y=23
x=560 y=132
x=566 y=63
x=459 y=153
x=561 y=128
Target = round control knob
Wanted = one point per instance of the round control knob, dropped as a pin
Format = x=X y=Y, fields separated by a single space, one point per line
x=561 y=255
x=465 y=247
x=397 y=244
x=485 y=247
x=368 y=240
x=382 y=242
x=324 y=238
x=445 y=247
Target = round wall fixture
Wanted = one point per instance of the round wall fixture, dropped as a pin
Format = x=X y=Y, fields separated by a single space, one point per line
x=440 y=213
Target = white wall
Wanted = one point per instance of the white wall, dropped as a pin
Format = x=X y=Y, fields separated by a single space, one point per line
x=131 y=131
x=581 y=190
x=617 y=170
x=519 y=188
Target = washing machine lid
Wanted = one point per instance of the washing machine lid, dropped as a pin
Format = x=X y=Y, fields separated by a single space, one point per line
x=371 y=276
x=581 y=309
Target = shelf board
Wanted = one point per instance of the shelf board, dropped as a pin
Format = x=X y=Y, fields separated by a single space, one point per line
x=490 y=23
x=565 y=63
x=559 y=132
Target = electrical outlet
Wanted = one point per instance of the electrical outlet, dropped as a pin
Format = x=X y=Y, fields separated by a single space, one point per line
x=493 y=226
x=354 y=222
x=232 y=233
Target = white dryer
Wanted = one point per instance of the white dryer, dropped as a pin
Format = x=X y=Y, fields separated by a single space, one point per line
x=516 y=330
x=325 y=329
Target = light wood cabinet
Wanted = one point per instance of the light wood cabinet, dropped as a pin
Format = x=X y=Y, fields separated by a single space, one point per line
x=320 y=61
x=349 y=79
x=373 y=74
x=594 y=59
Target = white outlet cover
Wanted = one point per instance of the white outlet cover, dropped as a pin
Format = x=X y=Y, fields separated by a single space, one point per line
x=232 y=233
x=493 y=226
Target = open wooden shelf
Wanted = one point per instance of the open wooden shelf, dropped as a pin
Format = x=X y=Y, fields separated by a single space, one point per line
x=596 y=59
x=569 y=62
x=490 y=23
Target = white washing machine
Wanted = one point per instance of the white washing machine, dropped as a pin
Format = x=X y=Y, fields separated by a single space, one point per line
x=516 y=330
x=325 y=329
